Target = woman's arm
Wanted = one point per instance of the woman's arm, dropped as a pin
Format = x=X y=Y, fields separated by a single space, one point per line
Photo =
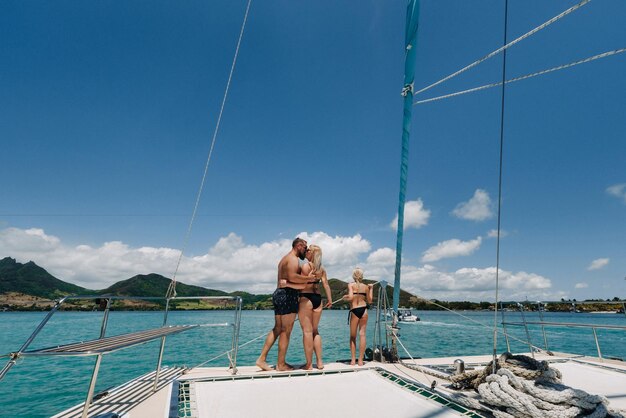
x=350 y=294
x=370 y=293
x=329 y=295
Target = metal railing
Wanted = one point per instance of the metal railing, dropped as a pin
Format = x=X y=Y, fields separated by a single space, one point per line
x=125 y=341
x=524 y=323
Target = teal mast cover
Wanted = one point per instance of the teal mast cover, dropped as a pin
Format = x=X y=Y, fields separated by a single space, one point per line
x=410 y=39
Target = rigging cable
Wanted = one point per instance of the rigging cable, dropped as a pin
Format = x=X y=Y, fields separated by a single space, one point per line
x=495 y=318
x=505 y=46
x=523 y=77
x=171 y=291
x=503 y=332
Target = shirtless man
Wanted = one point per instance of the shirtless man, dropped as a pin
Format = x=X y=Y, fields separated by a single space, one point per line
x=285 y=300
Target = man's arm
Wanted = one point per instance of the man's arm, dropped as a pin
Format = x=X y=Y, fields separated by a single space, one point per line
x=294 y=277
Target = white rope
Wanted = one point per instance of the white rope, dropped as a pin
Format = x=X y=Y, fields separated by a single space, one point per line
x=524 y=387
x=171 y=291
x=526 y=398
x=417 y=367
x=524 y=77
x=497 y=51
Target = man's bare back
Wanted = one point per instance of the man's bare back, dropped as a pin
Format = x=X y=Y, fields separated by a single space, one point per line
x=287 y=266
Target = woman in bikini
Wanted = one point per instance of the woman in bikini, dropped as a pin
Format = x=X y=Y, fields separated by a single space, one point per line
x=359 y=295
x=310 y=310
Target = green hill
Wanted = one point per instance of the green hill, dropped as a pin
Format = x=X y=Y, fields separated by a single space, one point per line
x=30 y=279
x=152 y=285
x=19 y=283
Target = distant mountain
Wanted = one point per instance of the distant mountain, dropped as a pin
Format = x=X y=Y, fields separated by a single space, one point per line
x=152 y=285
x=30 y=279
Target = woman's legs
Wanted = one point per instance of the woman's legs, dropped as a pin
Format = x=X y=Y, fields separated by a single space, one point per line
x=354 y=322
x=362 y=338
x=317 y=338
x=305 y=314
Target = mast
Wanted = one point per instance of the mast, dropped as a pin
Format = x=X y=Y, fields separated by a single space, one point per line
x=410 y=39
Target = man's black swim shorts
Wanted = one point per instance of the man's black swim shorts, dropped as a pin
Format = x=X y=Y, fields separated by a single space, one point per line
x=285 y=301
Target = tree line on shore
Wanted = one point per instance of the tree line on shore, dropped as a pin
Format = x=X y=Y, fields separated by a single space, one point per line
x=29 y=287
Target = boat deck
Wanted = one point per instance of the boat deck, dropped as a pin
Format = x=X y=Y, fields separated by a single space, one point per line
x=338 y=390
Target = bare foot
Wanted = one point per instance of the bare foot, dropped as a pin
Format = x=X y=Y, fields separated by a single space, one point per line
x=360 y=362
x=320 y=365
x=285 y=368
x=307 y=367
x=264 y=366
x=352 y=363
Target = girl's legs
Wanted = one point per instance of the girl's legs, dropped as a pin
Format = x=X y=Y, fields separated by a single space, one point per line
x=354 y=322
x=305 y=314
x=317 y=338
x=362 y=338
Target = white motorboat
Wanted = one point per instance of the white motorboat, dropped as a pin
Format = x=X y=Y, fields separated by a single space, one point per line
x=406 y=315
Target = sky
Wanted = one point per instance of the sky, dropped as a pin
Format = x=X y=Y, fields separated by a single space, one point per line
x=108 y=111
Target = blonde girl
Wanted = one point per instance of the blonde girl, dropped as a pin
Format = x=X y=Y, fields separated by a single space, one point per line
x=359 y=295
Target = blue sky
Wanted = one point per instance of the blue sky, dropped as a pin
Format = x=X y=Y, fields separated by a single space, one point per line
x=107 y=110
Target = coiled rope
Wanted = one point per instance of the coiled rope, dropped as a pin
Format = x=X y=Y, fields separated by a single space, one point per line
x=524 y=387
x=523 y=366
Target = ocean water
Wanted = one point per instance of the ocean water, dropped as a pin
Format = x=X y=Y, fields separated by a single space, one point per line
x=43 y=386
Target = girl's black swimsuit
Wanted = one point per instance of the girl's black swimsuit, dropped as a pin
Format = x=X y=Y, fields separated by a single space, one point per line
x=315 y=298
x=360 y=311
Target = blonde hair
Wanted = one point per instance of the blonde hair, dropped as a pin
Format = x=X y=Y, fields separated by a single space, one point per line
x=357 y=274
x=316 y=260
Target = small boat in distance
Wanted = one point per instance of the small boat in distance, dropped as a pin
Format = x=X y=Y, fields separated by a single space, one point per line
x=405 y=315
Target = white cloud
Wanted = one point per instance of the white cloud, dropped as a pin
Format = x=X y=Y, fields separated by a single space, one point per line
x=598 y=263
x=382 y=256
x=415 y=215
x=232 y=264
x=451 y=248
x=618 y=190
x=380 y=264
x=494 y=233
x=478 y=208
x=474 y=283
x=581 y=286
x=229 y=265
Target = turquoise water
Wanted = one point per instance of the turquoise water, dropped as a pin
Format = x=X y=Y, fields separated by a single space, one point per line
x=53 y=384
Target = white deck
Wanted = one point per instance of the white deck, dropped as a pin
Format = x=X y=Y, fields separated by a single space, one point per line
x=352 y=394
x=341 y=390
